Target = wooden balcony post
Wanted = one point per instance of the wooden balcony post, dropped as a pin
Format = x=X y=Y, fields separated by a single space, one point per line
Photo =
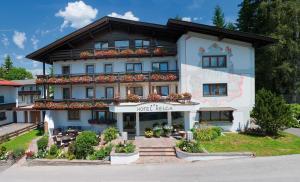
x=149 y=83
x=119 y=85
x=94 y=85
x=44 y=73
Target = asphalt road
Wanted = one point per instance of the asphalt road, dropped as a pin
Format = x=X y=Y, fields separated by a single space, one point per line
x=263 y=169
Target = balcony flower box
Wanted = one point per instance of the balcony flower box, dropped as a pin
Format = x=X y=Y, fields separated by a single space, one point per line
x=85 y=54
x=139 y=77
x=106 y=78
x=173 y=97
x=56 y=105
x=187 y=96
x=159 y=51
x=141 y=52
x=133 y=98
x=127 y=78
x=105 y=53
x=170 y=77
x=100 y=105
x=59 y=80
x=117 y=100
x=154 y=97
x=81 y=79
x=39 y=105
x=40 y=81
x=126 y=52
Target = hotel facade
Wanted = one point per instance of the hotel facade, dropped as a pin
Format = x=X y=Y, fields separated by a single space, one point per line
x=131 y=75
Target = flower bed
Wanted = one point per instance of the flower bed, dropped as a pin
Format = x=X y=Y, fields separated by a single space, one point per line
x=106 y=78
x=124 y=154
x=164 y=77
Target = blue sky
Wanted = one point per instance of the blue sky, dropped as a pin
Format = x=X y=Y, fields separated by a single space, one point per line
x=31 y=24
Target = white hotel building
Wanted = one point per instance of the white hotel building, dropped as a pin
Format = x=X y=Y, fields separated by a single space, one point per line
x=98 y=66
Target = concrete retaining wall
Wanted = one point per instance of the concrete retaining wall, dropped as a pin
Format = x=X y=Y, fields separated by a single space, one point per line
x=122 y=158
x=64 y=162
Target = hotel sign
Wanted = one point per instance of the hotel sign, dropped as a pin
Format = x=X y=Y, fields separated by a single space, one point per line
x=154 y=107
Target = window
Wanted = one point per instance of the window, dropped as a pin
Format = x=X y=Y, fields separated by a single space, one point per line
x=216 y=116
x=142 y=43
x=134 y=67
x=66 y=93
x=2 y=116
x=22 y=88
x=101 y=45
x=73 y=115
x=66 y=70
x=160 y=66
x=30 y=88
x=89 y=92
x=1 y=99
x=89 y=69
x=102 y=115
x=122 y=44
x=108 y=68
x=214 y=61
x=162 y=90
x=109 y=92
x=219 y=89
x=136 y=90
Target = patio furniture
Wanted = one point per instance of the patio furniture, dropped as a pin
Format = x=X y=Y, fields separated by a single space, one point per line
x=57 y=141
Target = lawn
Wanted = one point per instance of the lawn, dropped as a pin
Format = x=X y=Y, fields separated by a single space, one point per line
x=21 y=141
x=261 y=146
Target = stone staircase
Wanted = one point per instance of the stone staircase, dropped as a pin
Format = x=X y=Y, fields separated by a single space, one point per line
x=157 y=151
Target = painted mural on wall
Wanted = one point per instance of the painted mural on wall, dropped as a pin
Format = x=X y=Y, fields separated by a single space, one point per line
x=235 y=82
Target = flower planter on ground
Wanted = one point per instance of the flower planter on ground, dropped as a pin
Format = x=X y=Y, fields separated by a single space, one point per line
x=123 y=158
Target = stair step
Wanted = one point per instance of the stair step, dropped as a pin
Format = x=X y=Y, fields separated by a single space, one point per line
x=156 y=147
x=156 y=150
x=157 y=153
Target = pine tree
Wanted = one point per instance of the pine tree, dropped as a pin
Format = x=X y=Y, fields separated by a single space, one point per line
x=218 y=18
x=8 y=64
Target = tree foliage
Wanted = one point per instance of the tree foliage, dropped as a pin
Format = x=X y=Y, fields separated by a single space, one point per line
x=218 y=18
x=277 y=66
x=9 y=72
x=271 y=112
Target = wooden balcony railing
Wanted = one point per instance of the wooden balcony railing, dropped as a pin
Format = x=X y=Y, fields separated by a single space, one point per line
x=168 y=76
x=88 y=104
x=7 y=105
x=113 y=52
x=29 y=92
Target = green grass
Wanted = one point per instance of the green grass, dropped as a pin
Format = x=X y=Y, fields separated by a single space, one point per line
x=262 y=146
x=21 y=141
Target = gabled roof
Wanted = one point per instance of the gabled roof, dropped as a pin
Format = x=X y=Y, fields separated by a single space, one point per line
x=173 y=27
x=9 y=83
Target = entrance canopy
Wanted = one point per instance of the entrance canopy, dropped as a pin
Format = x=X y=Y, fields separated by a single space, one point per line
x=152 y=107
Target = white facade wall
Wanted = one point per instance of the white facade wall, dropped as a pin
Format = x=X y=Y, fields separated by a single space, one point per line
x=9 y=93
x=239 y=74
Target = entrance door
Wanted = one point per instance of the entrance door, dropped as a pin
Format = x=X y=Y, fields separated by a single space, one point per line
x=35 y=117
x=129 y=123
x=25 y=116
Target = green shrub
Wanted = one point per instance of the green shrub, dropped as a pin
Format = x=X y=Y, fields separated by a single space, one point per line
x=41 y=154
x=125 y=148
x=3 y=153
x=84 y=144
x=157 y=130
x=296 y=110
x=110 y=134
x=271 y=113
x=101 y=153
x=190 y=146
x=218 y=130
x=205 y=134
x=53 y=150
x=71 y=148
x=148 y=133
x=18 y=153
x=42 y=143
x=71 y=157
x=167 y=129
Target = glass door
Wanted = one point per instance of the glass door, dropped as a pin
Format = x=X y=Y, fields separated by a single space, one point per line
x=129 y=123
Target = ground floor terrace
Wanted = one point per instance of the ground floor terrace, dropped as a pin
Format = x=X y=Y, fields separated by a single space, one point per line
x=135 y=118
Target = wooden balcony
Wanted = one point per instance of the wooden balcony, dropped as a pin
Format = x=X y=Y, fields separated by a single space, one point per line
x=102 y=104
x=112 y=52
x=167 y=76
x=7 y=106
x=29 y=92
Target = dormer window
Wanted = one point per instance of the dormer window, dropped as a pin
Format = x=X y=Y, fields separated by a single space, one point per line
x=122 y=44
x=142 y=43
x=101 y=45
x=214 y=61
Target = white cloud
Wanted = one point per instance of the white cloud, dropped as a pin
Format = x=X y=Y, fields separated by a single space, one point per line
x=35 y=64
x=128 y=15
x=4 y=40
x=195 y=4
x=19 y=39
x=36 y=71
x=77 y=14
x=19 y=57
x=189 y=19
x=34 y=42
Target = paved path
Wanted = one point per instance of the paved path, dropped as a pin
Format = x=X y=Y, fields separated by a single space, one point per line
x=295 y=131
x=262 y=169
x=13 y=127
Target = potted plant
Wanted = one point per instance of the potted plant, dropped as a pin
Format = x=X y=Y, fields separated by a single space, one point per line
x=154 y=97
x=148 y=133
x=141 y=51
x=157 y=130
x=85 y=54
x=187 y=96
x=133 y=98
x=139 y=77
x=167 y=130
x=127 y=52
x=158 y=51
x=170 y=77
x=174 y=97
